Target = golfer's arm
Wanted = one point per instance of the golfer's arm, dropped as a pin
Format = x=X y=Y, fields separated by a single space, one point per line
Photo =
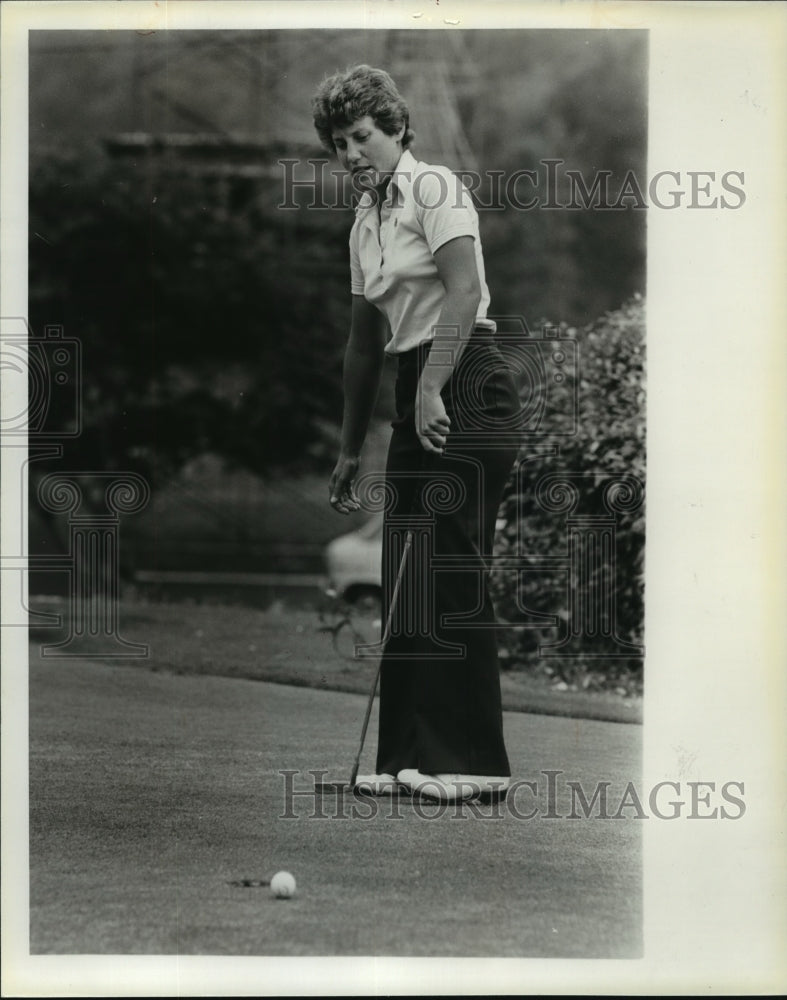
x=456 y=266
x=363 y=365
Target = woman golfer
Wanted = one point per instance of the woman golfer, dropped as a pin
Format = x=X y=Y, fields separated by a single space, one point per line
x=417 y=271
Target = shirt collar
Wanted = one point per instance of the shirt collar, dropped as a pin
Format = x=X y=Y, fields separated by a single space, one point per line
x=401 y=181
x=403 y=174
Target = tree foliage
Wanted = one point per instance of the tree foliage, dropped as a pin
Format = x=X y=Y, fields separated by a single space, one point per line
x=200 y=330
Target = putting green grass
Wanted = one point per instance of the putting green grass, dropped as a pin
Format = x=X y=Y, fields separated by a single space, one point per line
x=151 y=793
x=283 y=644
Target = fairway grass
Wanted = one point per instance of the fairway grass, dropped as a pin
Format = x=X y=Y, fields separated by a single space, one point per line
x=284 y=644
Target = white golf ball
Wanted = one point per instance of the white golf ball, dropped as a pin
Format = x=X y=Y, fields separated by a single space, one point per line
x=283 y=885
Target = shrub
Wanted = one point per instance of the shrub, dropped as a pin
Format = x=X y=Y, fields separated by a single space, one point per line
x=608 y=442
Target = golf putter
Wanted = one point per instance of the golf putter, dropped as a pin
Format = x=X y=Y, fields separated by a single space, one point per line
x=408 y=541
x=340 y=786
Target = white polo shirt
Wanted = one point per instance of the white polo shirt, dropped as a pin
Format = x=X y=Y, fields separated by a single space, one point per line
x=391 y=256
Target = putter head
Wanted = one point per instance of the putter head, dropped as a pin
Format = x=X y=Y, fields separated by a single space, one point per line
x=332 y=787
x=336 y=788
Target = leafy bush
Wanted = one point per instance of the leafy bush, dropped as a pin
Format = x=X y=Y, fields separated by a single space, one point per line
x=608 y=443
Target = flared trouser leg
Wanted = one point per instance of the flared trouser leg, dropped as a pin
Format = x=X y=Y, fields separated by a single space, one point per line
x=440 y=707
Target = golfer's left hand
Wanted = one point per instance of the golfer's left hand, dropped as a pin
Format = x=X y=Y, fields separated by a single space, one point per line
x=341 y=489
x=432 y=423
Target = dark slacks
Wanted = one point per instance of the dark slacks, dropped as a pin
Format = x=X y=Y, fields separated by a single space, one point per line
x=440 y=707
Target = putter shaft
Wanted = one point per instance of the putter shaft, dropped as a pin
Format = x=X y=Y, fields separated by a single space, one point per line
x=386 y=634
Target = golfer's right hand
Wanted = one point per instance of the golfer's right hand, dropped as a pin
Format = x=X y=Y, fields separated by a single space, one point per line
x=342 y=490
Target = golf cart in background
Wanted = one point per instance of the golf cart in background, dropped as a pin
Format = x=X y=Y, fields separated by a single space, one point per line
x=354 y=591
x=354 y=566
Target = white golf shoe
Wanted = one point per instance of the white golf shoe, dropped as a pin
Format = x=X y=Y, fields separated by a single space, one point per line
x=454 y=787
x=375 y=784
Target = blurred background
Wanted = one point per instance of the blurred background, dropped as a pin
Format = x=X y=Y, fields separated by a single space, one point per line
x=212 y=322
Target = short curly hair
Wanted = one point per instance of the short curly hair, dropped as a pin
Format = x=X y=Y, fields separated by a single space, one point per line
x=343 y=98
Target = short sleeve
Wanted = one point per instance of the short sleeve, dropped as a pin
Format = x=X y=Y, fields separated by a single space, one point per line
x=444 y=207
x=357 y=283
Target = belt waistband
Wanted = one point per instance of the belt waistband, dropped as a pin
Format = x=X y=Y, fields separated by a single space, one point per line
x=483 y=332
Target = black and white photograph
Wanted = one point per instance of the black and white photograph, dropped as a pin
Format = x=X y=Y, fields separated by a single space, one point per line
x=393 y=477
